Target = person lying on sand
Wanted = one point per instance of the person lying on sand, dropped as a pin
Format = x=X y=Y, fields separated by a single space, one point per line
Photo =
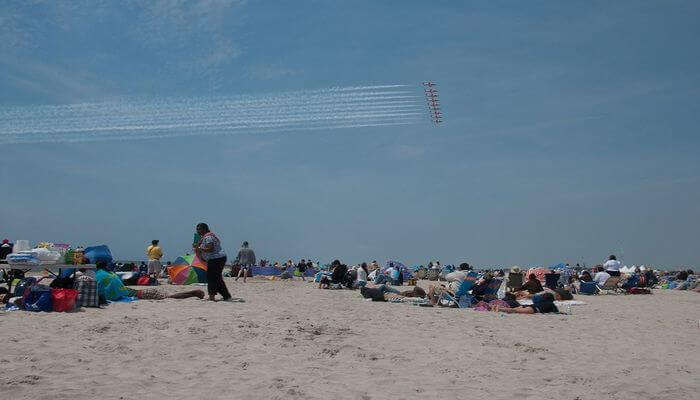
x=559 y=294
x=384 y=292
x=111 y=288
x=542 y=305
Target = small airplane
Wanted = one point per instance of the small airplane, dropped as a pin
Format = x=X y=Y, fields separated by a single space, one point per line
x=431 y=91
x=429 y=84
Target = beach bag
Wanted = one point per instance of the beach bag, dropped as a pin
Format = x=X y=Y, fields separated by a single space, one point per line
x=38 y=299
x=87 y=292
x=145 y=281
x=63 y=300
x=23 y=286
x=588 y=288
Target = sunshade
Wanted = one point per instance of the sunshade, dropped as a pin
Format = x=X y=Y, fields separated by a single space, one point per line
x=187 y=269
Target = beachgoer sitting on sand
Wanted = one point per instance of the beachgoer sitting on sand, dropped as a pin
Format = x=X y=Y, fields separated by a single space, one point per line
x=541 y=304
x=601 y=276
x=361 y=275
x=533 y=285
x=585 y=277
x=337 y=276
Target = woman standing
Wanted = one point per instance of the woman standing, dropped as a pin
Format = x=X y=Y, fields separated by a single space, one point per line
x=209 y=250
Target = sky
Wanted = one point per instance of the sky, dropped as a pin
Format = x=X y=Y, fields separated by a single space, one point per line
x=570 y=130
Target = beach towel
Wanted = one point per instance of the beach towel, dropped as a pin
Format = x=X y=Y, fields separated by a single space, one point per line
x=110 y=287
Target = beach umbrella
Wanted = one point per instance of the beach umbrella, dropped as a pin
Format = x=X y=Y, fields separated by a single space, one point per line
x=187 y=269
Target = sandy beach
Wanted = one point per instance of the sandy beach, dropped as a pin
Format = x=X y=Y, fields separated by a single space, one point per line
x=290 y=340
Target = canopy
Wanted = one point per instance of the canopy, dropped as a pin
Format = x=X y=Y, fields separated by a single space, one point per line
x=187 y=269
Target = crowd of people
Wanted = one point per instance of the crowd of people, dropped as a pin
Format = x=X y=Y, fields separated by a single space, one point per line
x=488 y=289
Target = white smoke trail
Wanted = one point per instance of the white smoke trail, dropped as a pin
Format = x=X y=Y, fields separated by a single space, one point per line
x=131 y=119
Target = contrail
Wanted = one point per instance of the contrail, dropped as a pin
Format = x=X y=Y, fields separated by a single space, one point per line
x=132 y=119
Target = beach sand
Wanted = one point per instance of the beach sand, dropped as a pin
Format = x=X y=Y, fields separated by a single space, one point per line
x=290 y=340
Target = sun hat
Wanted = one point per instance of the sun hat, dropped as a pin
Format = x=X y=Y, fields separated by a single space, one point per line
x=515 y=269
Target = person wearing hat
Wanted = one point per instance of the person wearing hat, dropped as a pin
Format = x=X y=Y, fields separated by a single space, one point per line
x=5 y=249
x=154 y=254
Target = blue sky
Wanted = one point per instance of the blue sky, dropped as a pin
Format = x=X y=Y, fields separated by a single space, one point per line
x=570 y=134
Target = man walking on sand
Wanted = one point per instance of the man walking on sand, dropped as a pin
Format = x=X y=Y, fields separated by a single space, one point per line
x=154 y=254
x=246 y=259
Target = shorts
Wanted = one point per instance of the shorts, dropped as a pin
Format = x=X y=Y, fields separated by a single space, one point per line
x=154 y=266
x=151 y=294
x=613 y=273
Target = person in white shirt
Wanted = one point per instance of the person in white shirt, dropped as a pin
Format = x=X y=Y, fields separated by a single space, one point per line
x=612 y=266
x=601 y=276
x=361 y=275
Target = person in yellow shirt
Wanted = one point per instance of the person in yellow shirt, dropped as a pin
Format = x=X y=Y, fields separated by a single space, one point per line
x=154 y=254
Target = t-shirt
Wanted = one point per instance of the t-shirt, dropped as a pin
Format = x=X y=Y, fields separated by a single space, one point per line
x=246 y=256
x=601 y=277
x=210 y=240
x=154 y=252
x=361 y=275
x=612 y=265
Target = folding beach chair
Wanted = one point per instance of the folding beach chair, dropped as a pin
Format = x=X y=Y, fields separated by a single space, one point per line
x=462 y=298
x=492 y=290
x=611 y=286
x=515 y=281
x=588 y=288
x=551 y=280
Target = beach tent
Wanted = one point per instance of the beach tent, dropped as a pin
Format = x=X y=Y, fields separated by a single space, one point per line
x=186 y=270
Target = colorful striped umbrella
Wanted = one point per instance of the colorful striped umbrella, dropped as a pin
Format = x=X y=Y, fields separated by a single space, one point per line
x=186 y=270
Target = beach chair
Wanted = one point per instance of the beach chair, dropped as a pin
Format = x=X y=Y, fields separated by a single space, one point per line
x=492 y=290
x=589 y=288
x=551 y=280
x=515 y=281
x=631 y=282
x=462 y=298
x=611 y=286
